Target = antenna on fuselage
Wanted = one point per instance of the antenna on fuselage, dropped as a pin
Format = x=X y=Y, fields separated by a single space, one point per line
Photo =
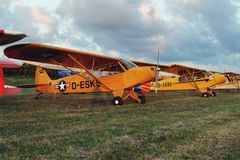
x=157 y=73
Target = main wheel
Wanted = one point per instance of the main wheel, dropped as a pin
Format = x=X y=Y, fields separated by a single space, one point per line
x=142 y=98
x=205 y=94
x=37 y=95
x=214 y=94
x=117 y=101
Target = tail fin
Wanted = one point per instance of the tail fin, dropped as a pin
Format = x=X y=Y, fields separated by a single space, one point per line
x=41 y=77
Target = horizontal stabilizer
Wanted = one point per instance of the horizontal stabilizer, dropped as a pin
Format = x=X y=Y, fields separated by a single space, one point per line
x=32 y=85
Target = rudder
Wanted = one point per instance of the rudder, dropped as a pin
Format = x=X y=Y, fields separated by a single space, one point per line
x=42 y=77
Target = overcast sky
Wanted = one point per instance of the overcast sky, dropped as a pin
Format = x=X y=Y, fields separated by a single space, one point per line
x=200 y=33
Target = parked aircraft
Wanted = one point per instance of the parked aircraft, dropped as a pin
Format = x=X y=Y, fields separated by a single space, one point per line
x=233 y=82
x=98 y=73
x=189 y=78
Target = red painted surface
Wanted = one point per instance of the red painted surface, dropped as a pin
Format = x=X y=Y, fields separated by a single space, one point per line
x=1 y=31
x=9 y=64
x=1 y=82
x=145 y=88
x=9 y=90
x=12 y=91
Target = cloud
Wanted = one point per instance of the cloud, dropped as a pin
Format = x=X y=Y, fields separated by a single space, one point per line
x=35 y=21
x=205 y=34
x=127 y=26
x=184 y=30
x=199 y=32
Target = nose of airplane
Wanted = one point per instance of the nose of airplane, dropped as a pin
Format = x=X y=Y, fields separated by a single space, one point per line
x=144 y=74
x=220 y=78
x=153 y=72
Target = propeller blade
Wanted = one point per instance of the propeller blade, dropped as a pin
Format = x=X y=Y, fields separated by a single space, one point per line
x=157 y=73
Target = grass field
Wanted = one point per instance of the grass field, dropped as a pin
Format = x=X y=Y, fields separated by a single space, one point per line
x=169 y=126
x=18 y=80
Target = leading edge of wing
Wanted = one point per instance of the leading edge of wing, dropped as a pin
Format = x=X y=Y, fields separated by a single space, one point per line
x=42 y=52
x=48 y=54
x=52 y=66
x=161 y=66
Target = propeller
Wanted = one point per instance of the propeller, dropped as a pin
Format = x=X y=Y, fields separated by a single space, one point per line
x=157 y=73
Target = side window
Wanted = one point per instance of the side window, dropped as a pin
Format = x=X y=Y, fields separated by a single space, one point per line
x=182 y=79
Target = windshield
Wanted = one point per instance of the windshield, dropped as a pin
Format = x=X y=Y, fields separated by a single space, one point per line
x=128 y=64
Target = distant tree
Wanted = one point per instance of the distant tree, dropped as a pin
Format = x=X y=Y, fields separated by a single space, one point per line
x=27 y=71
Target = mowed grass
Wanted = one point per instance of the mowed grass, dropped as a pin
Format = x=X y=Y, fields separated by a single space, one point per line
x=171 y=125
x=18 y=80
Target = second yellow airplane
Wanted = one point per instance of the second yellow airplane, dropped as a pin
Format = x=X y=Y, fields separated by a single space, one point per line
x=189 y=79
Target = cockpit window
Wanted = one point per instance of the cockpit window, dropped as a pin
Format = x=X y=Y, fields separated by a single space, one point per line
x=208 y=73
x=195 y=76
x=128 y=64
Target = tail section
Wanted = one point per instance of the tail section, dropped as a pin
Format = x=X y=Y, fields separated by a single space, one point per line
x=42 y=80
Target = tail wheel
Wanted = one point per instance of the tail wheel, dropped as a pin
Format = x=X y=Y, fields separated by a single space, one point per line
x=142 y=98
x=117 y=101
x=205 y=94
x=214 y=94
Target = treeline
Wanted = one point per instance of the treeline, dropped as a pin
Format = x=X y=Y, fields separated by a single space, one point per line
x=27 y=71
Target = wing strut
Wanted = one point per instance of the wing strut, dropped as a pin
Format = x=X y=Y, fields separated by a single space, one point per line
x=78 y=74
x=191 y=79
x=83 y=67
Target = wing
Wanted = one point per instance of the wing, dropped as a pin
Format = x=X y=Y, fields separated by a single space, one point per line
x=58 y=56
x=161 y=66
x=52 y=66
x=10 y=37
x=182 y=70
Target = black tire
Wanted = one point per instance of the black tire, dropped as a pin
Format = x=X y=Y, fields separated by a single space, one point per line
x=117 y=101
x=142 y=98
x=205 y=94
x=37 y=96
x=214 y=94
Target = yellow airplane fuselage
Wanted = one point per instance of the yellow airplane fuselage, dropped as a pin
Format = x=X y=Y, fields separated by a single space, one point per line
x=228 y=85
x=83 y=83
x=201 y=85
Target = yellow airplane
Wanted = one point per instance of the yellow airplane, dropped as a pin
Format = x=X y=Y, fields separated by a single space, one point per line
x=189 y=79
x=97 y=73
x=233 y=82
